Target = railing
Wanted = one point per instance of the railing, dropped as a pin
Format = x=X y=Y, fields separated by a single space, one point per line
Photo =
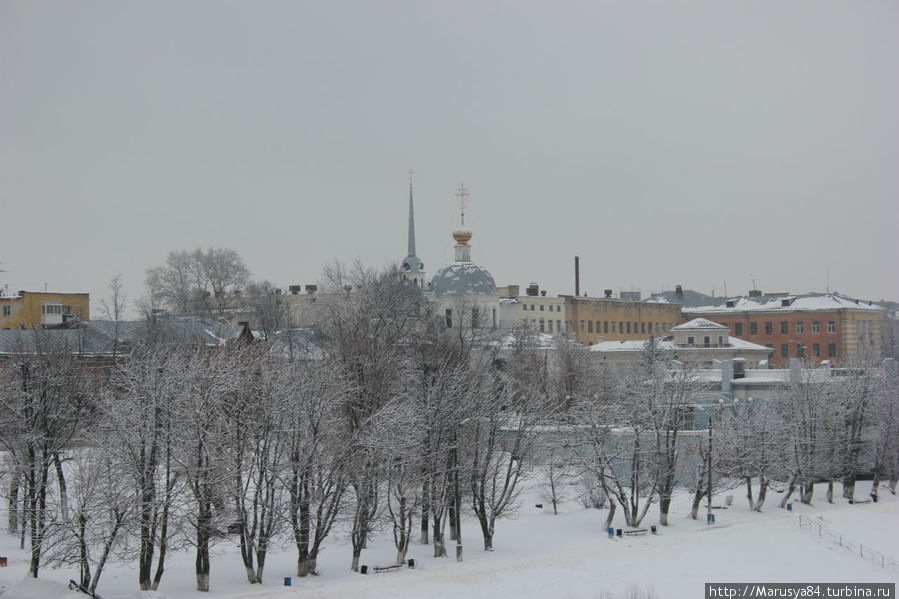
x=829 y=535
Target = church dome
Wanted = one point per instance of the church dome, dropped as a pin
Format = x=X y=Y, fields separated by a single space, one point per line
x=463 y=278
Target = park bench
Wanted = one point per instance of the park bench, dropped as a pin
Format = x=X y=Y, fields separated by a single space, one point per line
x=390 y=568
x=636 y=531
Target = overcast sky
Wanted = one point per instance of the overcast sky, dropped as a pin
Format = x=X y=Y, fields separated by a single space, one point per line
x=701 y=143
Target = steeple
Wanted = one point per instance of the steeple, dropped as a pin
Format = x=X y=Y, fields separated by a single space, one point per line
x=462 y=235
x=413 y=267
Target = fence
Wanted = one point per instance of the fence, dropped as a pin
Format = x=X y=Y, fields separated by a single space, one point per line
x=829 y=535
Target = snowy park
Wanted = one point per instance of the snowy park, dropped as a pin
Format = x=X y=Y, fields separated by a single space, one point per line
x=539 y=554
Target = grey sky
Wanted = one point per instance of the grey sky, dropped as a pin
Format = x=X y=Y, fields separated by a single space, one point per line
x=663 y=142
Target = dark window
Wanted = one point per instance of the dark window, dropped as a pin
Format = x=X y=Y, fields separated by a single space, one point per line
x=784 y=350
x=7 y=310
x=628 y=327
x=541 y=307
x=738 y=328
x=831 y=350
x=691 y=340
x=706 y=341
x=753 y=328
x=799 y=328
x=784 y=327
x=831 y=326
x=642 y=327
x=769 y=328
x=589 y=326
x=582 y=327
x=541 y=325
x=605 y=326
x=621 y=327
x=816 y=326
x=816 y=350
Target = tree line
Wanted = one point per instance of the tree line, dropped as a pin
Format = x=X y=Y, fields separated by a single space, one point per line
x=399 y=424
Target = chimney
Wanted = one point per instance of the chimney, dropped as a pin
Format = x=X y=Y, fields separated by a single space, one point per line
x=295 y=289
x=755 y=293
x=310 y=289
x=608 y=293
x=543 y=293
x=577 y=276
x=678 y=291
x=533 y=290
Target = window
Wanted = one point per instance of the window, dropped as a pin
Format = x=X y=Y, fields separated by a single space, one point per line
x=636 y=328
x=831 y=350
x=784 y=350
x=549 y=324
x=784 y=327
x=800 y=350
x=542 y=325
x=706 y=341
x=475 y=317
x=691 y=340
x=7 y=310
x=769 y=328
x=605 y=326
x=831 y=326
x=559 y=325
x=657 y=328
x=738 y=328
x=799 y=327
x=816 y=350
x=753 y=328
x=494 y=318
x=621 y=327
x=449 y=318
x=816 y=326
x=642 y=328
x=613 y=326
x=589 y=326
x=628 y=327
x=541 y=307
x=582 y=326
x=721 y=340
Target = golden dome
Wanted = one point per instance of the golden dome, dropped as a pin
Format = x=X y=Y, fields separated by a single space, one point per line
x=462 y=236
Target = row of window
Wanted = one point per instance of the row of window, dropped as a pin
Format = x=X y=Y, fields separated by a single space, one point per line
x=532 y=307
x=800 y=350
x=475 y=318
x=784 y=327
x=706 y=341
x=623 y=327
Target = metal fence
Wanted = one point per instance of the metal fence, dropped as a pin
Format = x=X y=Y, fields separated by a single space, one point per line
x=833 y=537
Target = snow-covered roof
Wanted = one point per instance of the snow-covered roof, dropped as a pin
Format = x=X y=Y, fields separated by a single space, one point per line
x=668 y=345
x=463 y=278
x=776 y=303
x=699 y=323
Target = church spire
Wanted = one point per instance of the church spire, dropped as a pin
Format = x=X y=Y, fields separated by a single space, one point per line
x=411 y=219
x=462 y=235
x=413 y=267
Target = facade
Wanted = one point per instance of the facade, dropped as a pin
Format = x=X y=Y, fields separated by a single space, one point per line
x=814 y=327
x=593 y=319
x=535 y=310
x=29 y=309
x=699 y=341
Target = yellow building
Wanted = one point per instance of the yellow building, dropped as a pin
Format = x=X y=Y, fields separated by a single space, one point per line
x=594 y=319
x=42 y=309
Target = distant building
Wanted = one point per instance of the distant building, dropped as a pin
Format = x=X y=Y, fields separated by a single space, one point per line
x=465 y=292
x=597 y=319
x=811 y=326
x=29 y=309
x=699 y=341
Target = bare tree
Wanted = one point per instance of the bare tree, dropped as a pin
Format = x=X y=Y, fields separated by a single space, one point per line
x=44 y=399
x=198 y=282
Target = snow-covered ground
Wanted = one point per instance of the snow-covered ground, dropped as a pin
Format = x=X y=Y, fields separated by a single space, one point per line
x=541 y=555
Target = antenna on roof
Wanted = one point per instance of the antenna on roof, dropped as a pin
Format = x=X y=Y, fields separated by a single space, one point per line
x=752 y=276
x=828 y=281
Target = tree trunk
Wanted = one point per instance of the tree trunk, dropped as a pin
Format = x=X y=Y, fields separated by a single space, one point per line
x=829 y=493
x=807 y=490
x=763 y=492
x=875 y=484
x=13 y=510
x=63 y=491
x=749 y=492
x=357 y=552
x=610 y=517
x=664 y=506
x=786 y=498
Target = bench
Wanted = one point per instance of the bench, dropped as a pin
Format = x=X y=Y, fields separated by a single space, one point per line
x=390 y=568
x=636 y=531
